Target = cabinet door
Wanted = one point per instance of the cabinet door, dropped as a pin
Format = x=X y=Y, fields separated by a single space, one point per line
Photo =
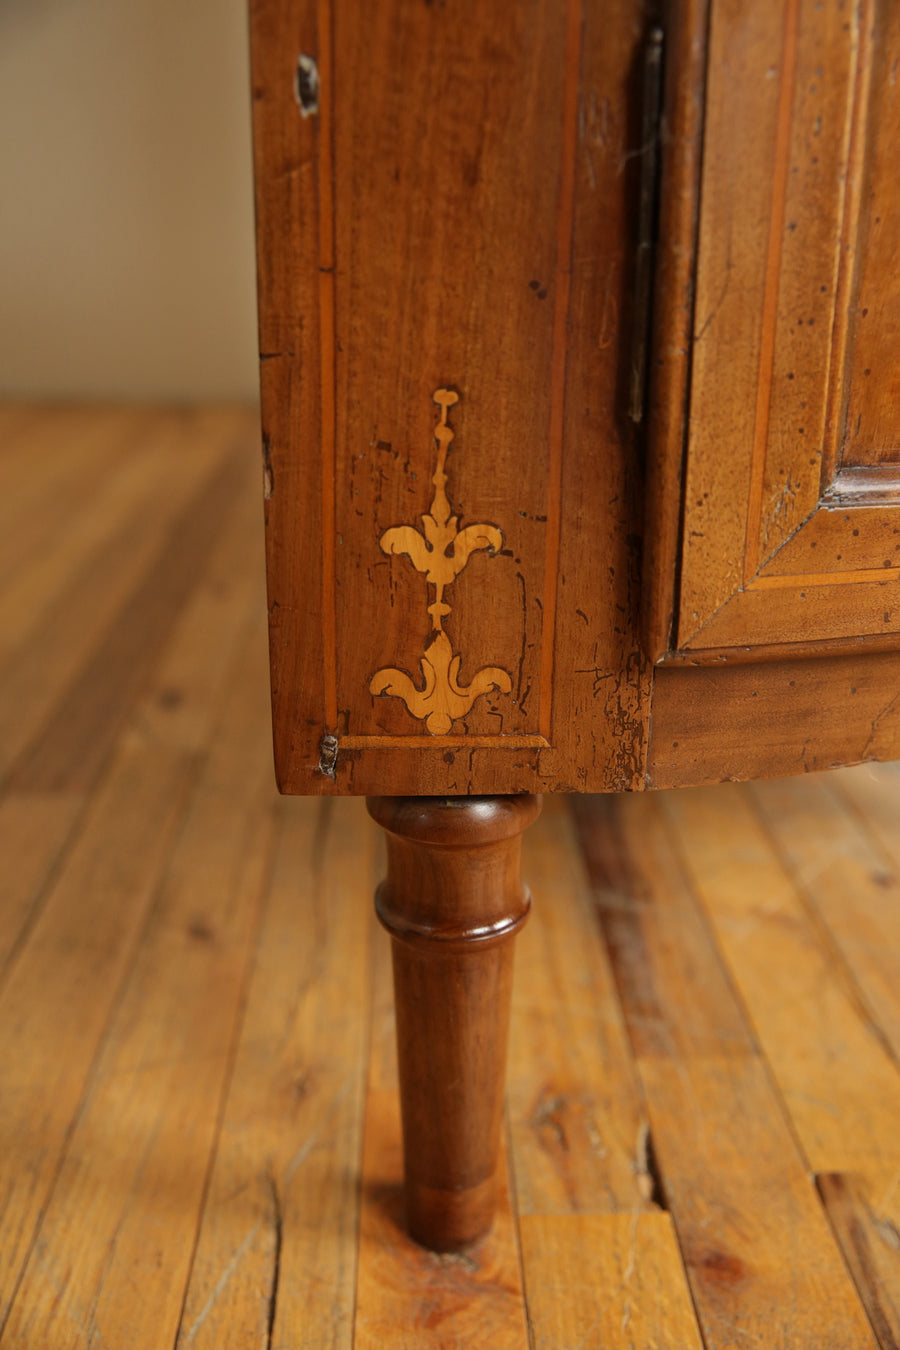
x=791 y=491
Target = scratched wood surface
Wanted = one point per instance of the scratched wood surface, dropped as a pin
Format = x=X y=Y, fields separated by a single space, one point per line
x=198 y=1110
x=450 y=214
x=453 y=214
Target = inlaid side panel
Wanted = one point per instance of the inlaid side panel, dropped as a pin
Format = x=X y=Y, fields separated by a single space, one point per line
x=445 y=277
x=443 y=204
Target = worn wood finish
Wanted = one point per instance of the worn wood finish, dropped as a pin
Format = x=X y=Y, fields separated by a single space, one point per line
x=453 y=902
x=826 y=867
x=791 y=536
x=461 y=600
x=617 y=1281
x=241 y=1167
x=276 y=1250
x=866 y=1219
x=794 y=984
x=775 y=717
x=577 y=1120
x=685 y=28
x=144 y=1181
x=713 y=1108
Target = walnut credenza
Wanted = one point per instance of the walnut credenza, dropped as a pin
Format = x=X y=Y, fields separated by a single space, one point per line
x=579 y=331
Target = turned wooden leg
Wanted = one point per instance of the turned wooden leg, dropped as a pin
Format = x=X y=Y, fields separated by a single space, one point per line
x=452 y=902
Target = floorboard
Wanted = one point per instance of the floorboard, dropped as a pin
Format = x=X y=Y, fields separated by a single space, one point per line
x=199 y=1125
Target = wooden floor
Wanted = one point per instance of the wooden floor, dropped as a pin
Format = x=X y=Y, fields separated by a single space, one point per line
x=199 y=1140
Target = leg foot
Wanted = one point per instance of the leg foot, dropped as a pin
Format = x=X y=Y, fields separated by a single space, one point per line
x=452 y=902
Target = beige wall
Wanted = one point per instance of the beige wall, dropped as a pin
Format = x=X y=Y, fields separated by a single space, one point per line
x=126 y=265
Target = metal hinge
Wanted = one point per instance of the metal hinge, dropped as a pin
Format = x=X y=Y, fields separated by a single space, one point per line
x=651 y=104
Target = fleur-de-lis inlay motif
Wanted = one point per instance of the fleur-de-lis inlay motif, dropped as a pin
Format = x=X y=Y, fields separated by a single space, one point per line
x=440 y=550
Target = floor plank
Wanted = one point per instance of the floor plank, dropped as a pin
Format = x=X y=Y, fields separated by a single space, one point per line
x=66 y=979
x=675 y=993
x=40 y=552
x=831 y=858
x=576 y=1117
x=71 y=747
x=764 y=1268
x=866 y=1219
x=276 y=1259
x=51 y=466
x=176 y=707
x=103 y=597
x=614 y=1281
x=872 y=792
x=129 y=1190
x=729 y=1168
x=35 y=828
x=794 y=987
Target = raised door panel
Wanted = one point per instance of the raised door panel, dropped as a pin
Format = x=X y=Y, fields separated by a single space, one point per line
x=791 y=519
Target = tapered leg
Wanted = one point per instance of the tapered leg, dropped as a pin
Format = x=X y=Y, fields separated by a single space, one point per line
x=452 y=903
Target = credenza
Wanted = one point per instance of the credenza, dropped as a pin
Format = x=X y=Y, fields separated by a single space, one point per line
x=580 y=372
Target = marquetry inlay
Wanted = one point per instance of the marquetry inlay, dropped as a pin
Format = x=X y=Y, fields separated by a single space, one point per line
x=440 y=550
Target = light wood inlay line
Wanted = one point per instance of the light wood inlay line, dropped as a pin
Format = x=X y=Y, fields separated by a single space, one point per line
x=451 y=742
x=773 y=277
x=327 y=356
x=565 y=225
x=780 y=583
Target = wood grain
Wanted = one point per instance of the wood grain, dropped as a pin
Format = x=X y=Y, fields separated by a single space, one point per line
x=78 y=954
x=794 y=985
x=797 y=716
x=716 y=1124
x=576 y=1117
x=867 y=1224
x=713 y=1116
x=441 y=1299
x=276 y=1253
x=656 y=938
x=141 y=1089
x=445 y=274
x=615 y=1281
x=829 y=859
x=453 y=902
x=132 y=1180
